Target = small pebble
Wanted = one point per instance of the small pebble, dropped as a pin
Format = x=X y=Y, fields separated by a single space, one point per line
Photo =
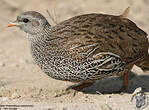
x=17 y=65
x=15 y=95
x=2 y=64
x=86 y=96
x=110 y=96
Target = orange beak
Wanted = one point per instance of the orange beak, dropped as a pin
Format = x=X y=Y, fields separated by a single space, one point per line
x=11 y=24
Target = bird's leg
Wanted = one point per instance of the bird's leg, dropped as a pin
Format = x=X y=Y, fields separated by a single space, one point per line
x=125 y=81
x=125 y=78
x=75 y=88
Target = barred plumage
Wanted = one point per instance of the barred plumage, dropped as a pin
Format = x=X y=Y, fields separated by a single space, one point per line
x=84 y=48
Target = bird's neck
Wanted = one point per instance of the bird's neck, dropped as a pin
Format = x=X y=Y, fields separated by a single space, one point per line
x=41 y=36
x=45 y=40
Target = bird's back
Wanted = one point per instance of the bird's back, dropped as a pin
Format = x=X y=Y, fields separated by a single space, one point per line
x=94 y=33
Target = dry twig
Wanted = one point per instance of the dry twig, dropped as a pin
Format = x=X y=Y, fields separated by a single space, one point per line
x=52 y=18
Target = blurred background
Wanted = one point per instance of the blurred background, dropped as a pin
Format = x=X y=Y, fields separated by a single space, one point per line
x=64 y=9
x=20 y=77
x=16 y=66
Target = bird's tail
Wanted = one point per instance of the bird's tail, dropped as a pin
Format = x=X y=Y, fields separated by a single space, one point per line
x=125 y=13
x=144 y=64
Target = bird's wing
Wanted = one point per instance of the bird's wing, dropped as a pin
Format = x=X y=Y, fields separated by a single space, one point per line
x=88 y=35
x=104 y=64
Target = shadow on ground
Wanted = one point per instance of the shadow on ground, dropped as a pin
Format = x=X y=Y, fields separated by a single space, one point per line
x=114 y=85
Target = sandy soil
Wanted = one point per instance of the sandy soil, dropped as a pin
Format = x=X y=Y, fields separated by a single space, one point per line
x=25 y=87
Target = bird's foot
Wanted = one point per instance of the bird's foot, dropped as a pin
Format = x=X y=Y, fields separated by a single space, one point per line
x=75 y=89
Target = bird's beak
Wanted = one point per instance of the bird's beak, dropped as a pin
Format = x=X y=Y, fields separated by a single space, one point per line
x=11 y=24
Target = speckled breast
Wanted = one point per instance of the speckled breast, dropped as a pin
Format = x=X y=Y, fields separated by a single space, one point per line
x=56 y=66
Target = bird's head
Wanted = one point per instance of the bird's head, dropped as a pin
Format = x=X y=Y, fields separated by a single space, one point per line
x=31 y=22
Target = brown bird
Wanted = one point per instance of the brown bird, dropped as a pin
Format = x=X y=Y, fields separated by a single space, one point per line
x=85 y=48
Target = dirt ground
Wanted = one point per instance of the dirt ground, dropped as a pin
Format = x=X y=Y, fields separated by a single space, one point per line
x=23 y=86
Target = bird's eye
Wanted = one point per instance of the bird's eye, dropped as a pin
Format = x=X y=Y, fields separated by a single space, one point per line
x=25 y=20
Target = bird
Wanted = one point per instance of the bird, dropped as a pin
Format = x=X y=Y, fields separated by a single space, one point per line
x=85 y=48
